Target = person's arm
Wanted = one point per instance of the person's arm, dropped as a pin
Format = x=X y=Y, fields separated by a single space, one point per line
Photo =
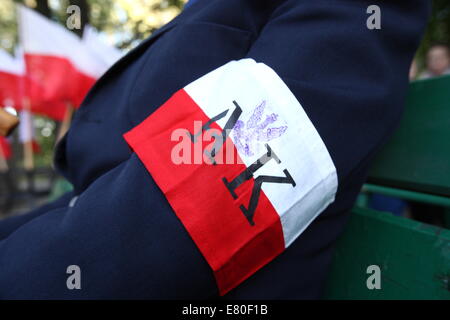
x=350 y=80
x=10 y=224
x=122 y=232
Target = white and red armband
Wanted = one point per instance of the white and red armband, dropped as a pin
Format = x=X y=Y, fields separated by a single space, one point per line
x=241 y=164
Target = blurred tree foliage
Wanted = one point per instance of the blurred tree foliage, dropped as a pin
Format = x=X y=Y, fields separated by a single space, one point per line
x=125 y=22
x=438 y=30
x=129 y=21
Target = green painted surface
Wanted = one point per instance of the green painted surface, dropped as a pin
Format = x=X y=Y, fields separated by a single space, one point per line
x=406 y=195
x=414 y=259
x=418 y=155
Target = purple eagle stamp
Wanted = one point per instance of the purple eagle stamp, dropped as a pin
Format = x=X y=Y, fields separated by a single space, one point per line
x=259 y=128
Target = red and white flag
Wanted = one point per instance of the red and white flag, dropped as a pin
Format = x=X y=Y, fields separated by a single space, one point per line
x=56 y=59
x=15 y=85
x=241 y=164
x=106 y=54
x=11 y=79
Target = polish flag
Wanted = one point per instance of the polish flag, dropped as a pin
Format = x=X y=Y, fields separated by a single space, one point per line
x=240 y=163
x=11 y=79
x=57 y=61
x=106 y=54
x=15 y=85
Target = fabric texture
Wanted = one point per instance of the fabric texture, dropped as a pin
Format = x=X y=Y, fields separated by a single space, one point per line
x=122 y=232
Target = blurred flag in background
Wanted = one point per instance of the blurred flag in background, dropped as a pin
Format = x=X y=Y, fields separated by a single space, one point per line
x=54 y=68
x=60 y=65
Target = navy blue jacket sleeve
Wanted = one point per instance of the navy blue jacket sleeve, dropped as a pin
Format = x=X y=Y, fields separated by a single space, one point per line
x=350 y=80
x=9 y=225
x=122 y=232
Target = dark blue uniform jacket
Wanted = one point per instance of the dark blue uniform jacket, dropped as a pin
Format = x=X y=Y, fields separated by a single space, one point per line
x=122 y=232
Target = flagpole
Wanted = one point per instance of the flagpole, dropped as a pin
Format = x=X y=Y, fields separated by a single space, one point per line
x=28 y=162
x=66 y=121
